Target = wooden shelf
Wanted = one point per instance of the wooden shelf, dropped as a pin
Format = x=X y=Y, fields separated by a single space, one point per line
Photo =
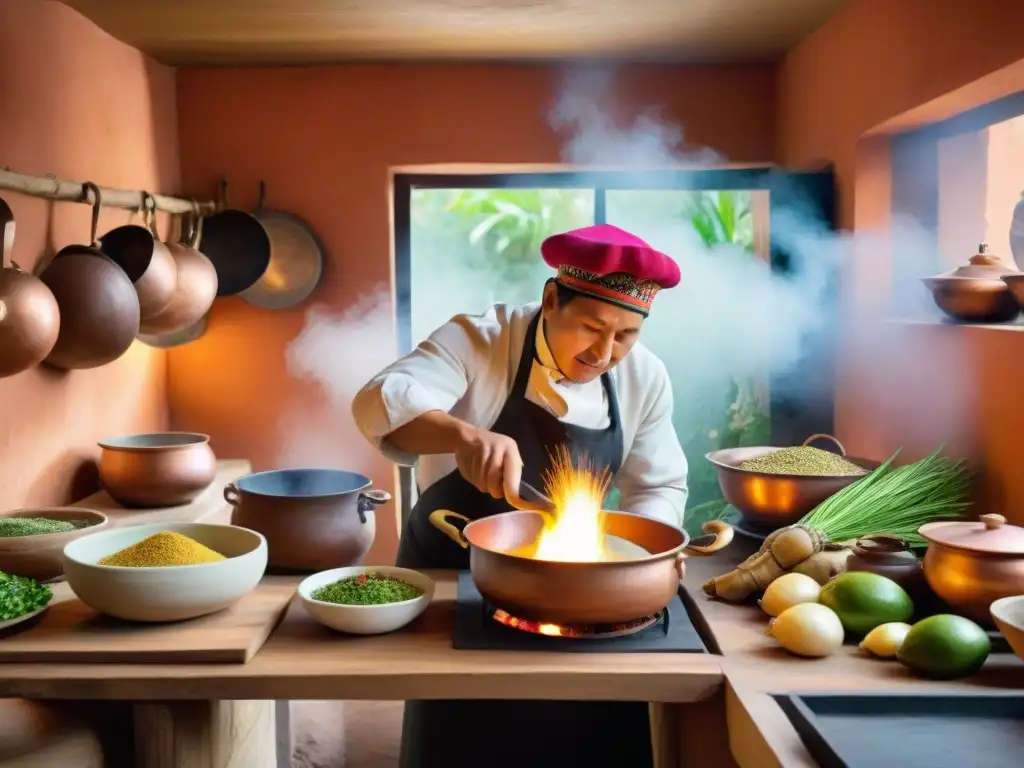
x=208 y=507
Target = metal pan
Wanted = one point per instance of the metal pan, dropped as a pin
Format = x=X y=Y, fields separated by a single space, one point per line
x=608 y=592
x=296 y=260
x=238 y=246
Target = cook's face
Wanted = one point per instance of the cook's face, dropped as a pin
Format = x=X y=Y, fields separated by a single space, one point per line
x=588 y=337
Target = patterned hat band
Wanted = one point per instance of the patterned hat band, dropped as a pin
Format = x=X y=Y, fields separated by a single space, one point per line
x=619 y=288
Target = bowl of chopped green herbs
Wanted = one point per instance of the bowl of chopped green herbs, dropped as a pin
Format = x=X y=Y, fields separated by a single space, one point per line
x=32 y=540
x=366 y=600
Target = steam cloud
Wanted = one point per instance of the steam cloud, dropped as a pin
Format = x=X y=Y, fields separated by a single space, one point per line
x=732 y=317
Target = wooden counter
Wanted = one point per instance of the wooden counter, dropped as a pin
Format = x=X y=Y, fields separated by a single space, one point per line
x=303 y=660
x=756 y=667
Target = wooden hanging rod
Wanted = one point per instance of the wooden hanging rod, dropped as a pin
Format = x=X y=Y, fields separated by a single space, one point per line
x=53 y=188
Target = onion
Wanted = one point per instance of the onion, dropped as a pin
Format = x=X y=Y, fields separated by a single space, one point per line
x=885 y=640
x=808 y=629
x=788 y=590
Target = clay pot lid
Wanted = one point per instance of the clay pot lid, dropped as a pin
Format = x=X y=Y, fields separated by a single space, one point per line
x=990 y=534
x=982 y=266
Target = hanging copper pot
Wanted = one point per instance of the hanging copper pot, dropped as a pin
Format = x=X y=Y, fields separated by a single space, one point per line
x=99 y=308
x=196 y=286
x=144 y=258
x=29 y=315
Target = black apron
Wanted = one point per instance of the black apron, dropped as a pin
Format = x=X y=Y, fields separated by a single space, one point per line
x=500 y=733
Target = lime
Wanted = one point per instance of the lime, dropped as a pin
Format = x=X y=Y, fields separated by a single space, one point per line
x=865 y=600
x=945 y=647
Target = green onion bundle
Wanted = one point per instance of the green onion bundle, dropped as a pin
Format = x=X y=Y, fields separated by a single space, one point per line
x=896 y=501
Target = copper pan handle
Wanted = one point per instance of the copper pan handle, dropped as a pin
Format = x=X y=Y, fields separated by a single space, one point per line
x=723 y=534
x=439 y=519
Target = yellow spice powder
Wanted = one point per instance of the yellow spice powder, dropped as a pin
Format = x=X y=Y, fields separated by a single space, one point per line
x=163 y=549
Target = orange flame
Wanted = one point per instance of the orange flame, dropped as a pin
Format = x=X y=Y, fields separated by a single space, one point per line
x=577 y=532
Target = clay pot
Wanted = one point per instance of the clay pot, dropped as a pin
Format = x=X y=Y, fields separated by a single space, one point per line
x=312 y=519
x=163 y=469
x=979 y=292
x=970 y=565
x=890 y=557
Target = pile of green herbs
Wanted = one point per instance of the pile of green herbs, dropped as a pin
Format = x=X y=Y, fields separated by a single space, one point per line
x=367 y=589
x=20 y=595
x=12 y=527
x=896 y=501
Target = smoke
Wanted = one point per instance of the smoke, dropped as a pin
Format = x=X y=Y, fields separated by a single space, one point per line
x=337 y=352
x=733 y=324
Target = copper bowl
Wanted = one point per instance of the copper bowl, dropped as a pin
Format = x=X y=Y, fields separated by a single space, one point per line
x=40 y=557
x=162 y=469
x=771 y=499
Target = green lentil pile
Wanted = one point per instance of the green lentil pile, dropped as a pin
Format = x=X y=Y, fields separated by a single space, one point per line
x=803 y=460
x=11 y=527
x=20 y=595
x=367 y=589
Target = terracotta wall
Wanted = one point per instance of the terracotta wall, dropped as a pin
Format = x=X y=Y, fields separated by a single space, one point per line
x=325 y=139
x=76 y=103
x=876 y=66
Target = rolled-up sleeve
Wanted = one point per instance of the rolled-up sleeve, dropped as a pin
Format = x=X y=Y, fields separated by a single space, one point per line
x=433 y=377
x=652 y=480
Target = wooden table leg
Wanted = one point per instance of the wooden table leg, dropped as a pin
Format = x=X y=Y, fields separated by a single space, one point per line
x=691 y=735
x=205 y=734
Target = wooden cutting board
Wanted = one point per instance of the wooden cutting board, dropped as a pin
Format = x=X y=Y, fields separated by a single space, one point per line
x=70 y=631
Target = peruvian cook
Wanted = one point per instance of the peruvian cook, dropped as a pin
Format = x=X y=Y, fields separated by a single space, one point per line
x=485 y=402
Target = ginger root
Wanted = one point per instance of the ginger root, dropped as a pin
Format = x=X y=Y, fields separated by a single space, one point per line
x=825 y=565
x=782 y=551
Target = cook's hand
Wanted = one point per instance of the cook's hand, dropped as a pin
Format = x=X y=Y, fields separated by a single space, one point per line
x=490 y=462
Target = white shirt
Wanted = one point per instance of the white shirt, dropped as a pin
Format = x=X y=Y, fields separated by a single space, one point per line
x=467 y=368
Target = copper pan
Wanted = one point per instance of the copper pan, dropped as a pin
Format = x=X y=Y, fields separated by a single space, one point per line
x=29 y=315
x=607 y=592
x=99 y=309
x=195 y=291
x=147 y=261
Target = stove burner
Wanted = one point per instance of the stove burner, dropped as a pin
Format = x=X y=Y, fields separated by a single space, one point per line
x=578 y=632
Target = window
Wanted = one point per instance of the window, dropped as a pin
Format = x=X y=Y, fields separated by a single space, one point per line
x=466 y=242
x=962 y=181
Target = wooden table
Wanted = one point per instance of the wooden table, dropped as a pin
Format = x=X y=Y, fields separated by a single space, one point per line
x=302 y=660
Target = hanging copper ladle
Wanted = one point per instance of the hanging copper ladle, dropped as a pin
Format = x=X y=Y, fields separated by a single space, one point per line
x=29 y=315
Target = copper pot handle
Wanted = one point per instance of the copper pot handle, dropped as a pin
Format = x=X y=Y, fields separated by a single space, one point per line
x=824 y=436
x=439 y=519
x=370 y=499
x=722 y=533
x=231 y=494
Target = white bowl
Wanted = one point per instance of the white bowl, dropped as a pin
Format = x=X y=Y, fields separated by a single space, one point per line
x=1008 y=613
x=171 y=593
x=366 y=619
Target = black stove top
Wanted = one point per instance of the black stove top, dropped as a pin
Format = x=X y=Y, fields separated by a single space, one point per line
x=477 y=629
